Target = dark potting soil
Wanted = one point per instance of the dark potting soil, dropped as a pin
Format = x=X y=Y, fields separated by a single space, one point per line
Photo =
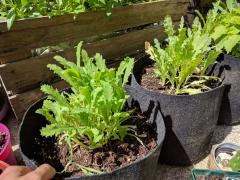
x=151 y=82
x=210 y=178
x=113 y=155
x=3 y=139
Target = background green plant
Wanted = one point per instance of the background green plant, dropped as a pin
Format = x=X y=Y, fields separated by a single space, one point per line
x=223 y=23
x=19 y=9
x=235 y=162
x=187 y=54
x=92 y=114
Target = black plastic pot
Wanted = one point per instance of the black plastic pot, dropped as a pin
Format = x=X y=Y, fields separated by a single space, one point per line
x=141 y=169
x=190 y=120
x=229 y=69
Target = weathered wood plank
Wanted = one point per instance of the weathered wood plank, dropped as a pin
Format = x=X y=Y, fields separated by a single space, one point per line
x=24 y=53
x=27 y=74
x=88 y=24
x=15 y=56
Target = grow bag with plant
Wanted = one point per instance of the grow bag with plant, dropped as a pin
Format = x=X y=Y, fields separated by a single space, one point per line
x=223 y=24
x=90 y=132
x=188 y=99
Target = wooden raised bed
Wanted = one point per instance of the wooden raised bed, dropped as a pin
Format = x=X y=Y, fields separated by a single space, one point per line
x=22 y=74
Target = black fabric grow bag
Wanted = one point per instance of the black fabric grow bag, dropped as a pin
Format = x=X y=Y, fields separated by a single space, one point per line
x=190 y=120
x=228 y=69
x=141 y=169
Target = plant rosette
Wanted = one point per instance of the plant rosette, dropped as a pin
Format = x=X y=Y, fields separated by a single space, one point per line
x=131 y=152
x=6 y=153
x=189 y=101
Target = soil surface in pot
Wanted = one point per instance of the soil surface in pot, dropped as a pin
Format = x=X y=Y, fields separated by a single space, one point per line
x=151 y=82
x=113 y=155
x=3 y=140
x=210 y=178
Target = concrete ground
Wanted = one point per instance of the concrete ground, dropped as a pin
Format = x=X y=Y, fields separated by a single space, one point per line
x=222 y=134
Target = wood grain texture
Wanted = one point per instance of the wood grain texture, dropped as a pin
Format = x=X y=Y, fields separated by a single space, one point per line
x=27 y=74
x=13 y=56
x=41 y=32
x=62 y=19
